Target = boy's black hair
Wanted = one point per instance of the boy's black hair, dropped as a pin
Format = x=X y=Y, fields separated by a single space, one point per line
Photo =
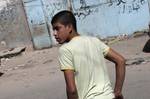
x=65 y=17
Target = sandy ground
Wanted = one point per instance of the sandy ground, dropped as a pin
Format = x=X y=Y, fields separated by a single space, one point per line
x=36 y=74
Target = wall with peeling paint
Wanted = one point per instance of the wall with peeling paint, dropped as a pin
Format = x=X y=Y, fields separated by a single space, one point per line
x=112 y=17
x=149 y=9
x=105 y=17
x=13 y=25
x=94 y=17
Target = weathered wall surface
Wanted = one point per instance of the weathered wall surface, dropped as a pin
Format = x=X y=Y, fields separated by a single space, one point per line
x=95 y=17
x=13 y=25
x=51 y=7
x=37 y=22
x=149 y=9
x=112 y=17
x=105 y=17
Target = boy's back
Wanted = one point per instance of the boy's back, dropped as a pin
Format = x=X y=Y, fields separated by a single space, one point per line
x=85 y=55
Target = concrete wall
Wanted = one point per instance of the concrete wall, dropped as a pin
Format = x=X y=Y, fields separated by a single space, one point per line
x=105 y=17
x=112 y=17
x=51 y=7
x=95 y=17
x=149 y=9
x=13 y=25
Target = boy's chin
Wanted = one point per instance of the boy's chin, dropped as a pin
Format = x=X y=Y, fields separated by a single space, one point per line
x=60 y=42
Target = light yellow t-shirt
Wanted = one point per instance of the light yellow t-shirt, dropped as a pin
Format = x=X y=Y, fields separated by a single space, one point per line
x=85 y=55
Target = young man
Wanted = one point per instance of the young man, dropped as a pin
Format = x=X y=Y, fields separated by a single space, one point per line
x=82 y=59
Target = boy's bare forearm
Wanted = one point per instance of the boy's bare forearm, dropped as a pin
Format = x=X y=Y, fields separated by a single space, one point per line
x=119 y=61
x=70 y=84
x=120 y=76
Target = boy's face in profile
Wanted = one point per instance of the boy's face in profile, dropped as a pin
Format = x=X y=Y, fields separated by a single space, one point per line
x=61 y=32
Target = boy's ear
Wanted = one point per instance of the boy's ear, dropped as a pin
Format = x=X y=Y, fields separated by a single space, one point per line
x=70 y=28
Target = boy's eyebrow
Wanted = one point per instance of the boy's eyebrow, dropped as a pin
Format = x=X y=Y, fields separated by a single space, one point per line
x=55 y=27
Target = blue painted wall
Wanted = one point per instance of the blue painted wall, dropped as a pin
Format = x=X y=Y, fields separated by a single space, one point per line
x=103 y=17
x=37 y=24
x=95 y=17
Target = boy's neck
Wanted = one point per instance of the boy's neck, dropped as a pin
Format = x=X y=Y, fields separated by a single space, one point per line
x=72 y=35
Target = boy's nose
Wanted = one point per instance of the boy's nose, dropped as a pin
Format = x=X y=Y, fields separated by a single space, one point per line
x=54 y=32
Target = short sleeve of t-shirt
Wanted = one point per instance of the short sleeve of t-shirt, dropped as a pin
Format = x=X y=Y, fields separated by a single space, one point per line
x=65 y=59
x=104 y=48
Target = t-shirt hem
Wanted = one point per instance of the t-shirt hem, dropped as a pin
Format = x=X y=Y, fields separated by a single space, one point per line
x=63 y=69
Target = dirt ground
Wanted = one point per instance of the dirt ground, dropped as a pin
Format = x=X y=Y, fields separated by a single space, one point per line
x=36 y=74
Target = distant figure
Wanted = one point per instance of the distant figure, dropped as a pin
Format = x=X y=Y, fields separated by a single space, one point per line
x=0 y=65
x=82 y=59
x=146 y=48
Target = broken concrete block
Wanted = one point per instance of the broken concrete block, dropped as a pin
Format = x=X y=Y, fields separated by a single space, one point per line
x=12 y=52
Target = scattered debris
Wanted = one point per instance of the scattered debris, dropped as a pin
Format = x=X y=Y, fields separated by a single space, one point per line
x=137 y=61
x=48 y=61
x=114 y=39
x=138 y=34
x=21 y=66
x=11 y=52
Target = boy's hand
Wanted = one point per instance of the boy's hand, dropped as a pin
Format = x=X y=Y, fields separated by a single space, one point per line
x=118 y=96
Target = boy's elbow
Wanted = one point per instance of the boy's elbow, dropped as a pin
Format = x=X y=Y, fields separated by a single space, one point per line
x=123 y=60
